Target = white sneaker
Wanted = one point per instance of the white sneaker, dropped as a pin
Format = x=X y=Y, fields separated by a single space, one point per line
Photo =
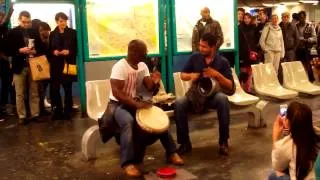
x=46 y=103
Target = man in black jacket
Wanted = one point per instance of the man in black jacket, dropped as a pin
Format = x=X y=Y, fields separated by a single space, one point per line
x=24 y=42
x=5 y=72
x=290 y=37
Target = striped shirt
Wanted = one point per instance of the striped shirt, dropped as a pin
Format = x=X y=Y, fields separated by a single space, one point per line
x=133 y=79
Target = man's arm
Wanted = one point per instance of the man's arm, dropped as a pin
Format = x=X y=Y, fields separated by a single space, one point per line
x=224 y=82
x=189 y=76
x=219 y=35
x=117 y=91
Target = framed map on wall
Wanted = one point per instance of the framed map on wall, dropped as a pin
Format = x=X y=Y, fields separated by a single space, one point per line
x=111 y=25
x=187 y=13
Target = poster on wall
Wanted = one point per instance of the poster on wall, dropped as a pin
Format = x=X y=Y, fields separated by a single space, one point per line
x=113 y=24
x=187 y=13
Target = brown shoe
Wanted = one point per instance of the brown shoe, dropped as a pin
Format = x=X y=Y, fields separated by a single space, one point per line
x=132 y=171
x=175 y=159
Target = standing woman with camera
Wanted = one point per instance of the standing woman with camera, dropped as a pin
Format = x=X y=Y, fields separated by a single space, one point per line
x=63 y=50
x=294 y=156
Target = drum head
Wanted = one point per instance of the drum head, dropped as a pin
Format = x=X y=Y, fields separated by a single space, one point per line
x=152 y=120
x=206 y=86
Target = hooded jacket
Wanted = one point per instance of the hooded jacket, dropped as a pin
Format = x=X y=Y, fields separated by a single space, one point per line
x=272 y=39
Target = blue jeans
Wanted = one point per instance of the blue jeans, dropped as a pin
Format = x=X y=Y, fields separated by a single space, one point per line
x=273 y=176
x=219 y=102
x=133 y=141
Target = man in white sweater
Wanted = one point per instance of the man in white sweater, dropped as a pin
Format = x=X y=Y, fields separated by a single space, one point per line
x=271 y=42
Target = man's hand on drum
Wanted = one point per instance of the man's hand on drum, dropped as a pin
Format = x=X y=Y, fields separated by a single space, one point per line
x=143 y=105
x=210 y=72
x=156 y=77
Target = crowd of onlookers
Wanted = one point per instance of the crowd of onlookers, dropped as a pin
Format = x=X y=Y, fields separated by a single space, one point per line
x=271 y=41
x=34 y=38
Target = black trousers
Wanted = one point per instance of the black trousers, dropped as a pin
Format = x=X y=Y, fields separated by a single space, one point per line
x=42 y=93
x=6 y=76
x=303 y=55
x=55 y=96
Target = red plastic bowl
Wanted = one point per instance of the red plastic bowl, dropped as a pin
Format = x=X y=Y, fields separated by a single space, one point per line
x=166 y=172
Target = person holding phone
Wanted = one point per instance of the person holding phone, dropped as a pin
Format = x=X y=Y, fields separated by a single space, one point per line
x=23 y=43
x=293 y=156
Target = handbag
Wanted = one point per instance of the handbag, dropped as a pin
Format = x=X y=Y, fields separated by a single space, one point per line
x=70 y=69
x=40 y=68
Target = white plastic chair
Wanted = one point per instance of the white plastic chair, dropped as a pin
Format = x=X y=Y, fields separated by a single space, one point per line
x=181 y=87
x=295 y=78
x=240 y=97
x=266 y=83
x=97 y=97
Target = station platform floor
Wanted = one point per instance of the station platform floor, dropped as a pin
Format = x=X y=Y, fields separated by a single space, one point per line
x=52 y=150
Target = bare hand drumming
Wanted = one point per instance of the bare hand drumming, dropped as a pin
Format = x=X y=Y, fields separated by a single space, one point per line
x=143 y=105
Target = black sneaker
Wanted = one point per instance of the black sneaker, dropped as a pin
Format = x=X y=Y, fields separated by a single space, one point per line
x=22 y=121
x=57 y=116
x=184 y=148
x=224 y=149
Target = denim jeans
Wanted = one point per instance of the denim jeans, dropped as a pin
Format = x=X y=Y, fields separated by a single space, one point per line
x=133 y=140
x=219 y=101
x=273 y=176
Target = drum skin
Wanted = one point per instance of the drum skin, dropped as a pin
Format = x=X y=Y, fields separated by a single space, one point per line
x=152 y=120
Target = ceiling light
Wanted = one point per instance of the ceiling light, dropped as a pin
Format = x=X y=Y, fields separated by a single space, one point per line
x=310 y=1
x=270 y=5
x=290 y=3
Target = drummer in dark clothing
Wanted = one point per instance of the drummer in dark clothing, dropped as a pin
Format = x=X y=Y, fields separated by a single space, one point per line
x=127 y=77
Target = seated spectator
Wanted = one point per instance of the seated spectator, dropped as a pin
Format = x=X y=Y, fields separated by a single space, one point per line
x=296 y=152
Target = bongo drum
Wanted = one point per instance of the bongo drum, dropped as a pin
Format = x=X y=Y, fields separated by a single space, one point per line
x=152 y=120
x=207 y=86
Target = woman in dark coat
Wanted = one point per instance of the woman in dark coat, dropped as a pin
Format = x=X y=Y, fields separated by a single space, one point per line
x=63 y=49
x=247 y=42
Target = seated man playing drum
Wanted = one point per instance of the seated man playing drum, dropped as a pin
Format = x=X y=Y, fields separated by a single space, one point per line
x=206 y=63
x=127 y=76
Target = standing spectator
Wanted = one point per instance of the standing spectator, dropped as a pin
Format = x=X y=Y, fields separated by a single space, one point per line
x=241 y=12
x=44 y=31
x=295 y=18
x=296 y=152
x=5 y=72
x=290 y=37
x=308 y=38
x=206 y=25
x=249 y=41
x=263 y=19
x=19 y=40
x=63 y=49
x=271 y=42
x=254 y=21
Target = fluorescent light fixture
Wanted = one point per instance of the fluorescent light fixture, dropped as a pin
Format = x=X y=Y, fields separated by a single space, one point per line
x=290 y=3
x=270 y=5
x=309 y=2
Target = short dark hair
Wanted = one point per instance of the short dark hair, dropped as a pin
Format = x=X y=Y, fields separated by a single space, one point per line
x=295 y=16
x=302 y=13
x=24 y=14
x=242 y=10
x=210 y=39
x=61 y=15
x=247 y=14
x=263 y=10
x=35 y=23
x=45 y=26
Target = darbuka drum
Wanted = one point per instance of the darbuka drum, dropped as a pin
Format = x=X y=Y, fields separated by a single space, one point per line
x=207 y=86
x=152 y=120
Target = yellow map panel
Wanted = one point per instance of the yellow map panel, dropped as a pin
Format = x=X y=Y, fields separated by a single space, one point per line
x=113 y=24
